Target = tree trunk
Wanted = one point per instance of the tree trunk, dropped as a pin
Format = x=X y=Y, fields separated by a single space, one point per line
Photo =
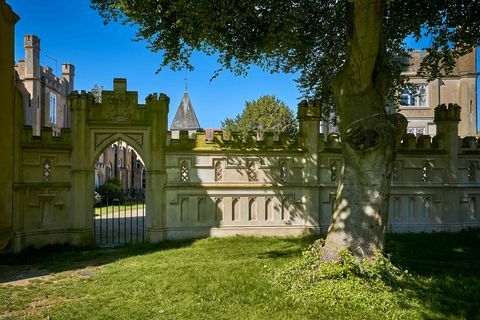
x=368 y=137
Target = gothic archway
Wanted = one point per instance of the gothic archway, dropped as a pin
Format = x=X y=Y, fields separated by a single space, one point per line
x=95 y=126
x=119 y=211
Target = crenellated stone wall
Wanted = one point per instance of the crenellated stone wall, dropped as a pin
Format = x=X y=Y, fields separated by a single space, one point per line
x=218 y=183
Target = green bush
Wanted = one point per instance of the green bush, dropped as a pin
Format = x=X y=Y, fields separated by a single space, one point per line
x=111 y=190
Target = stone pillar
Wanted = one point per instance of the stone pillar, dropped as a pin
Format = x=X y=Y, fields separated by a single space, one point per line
x=8 y=19
x=447 y=119
x=31 y=80
x=309 y=120
x=80 y=218
x=68 y=73
x=155 y=199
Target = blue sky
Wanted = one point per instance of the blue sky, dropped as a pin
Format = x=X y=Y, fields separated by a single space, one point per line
x=72 y=32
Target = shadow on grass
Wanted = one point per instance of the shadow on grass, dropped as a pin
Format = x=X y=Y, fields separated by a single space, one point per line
x=43 y=262
x=446 y=269
x=292 y=247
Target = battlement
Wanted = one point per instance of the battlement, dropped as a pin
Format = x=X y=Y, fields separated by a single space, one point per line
x=68 y=69
x=469 y=145
x=46 y=138
x=50 y=79
x=31 y=40
x=211 y=140
x=119 y=97
x=309 y=110
x=424 y=143
x=447 y=113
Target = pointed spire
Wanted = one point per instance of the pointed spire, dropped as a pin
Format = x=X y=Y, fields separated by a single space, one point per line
x=185 y=118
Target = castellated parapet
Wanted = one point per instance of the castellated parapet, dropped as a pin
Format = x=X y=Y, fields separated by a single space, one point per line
x=44 y=93
x=450 y=112
x=46 y=139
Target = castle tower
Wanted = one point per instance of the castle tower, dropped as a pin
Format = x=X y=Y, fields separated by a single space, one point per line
x=32 y=77
x=185 y=118
x=68 y=73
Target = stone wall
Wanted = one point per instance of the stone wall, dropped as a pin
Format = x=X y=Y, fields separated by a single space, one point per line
x=9 y=99
x=215 y=183
x=43 y=210
x=435 y=185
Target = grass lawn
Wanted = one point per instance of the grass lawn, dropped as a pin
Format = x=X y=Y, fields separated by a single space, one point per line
x=237 y=278
x=115 y=209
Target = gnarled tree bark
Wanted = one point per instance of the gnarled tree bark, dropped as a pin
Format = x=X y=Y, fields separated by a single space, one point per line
x=368 y=137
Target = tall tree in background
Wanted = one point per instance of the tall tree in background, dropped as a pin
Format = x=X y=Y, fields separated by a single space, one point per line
x=349 y=55
x=267 y=114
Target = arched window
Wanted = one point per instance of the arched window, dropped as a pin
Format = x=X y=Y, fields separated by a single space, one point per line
x=268 y=209
x=201 y=209
x=283 y=172
x=218 y=171
x=219 y=209
x=284 y=209
x=252 y=209
x=235 y=209
x=183 y=208
x=184 y=172
x=47 y=170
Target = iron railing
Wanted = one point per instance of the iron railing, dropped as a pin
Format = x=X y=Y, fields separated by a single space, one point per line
x=119 y=219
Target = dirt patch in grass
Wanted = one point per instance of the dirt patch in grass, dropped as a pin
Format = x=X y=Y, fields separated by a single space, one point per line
x=34 y=308
x=21 y=275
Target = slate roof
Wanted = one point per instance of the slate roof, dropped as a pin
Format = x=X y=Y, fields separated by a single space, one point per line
x=185 y=118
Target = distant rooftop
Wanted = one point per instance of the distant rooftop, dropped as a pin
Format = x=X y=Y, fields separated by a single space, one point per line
x=185 y=118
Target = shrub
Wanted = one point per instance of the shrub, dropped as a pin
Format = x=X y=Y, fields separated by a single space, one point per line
x=111 y=190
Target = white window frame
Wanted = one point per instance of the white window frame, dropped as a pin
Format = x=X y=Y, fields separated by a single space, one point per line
x=53 y=108
x=417 y=130
x=413 y=98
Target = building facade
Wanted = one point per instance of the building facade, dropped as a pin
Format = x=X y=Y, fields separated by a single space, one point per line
x=121 y=163
x=419 y=100
x=44 y=93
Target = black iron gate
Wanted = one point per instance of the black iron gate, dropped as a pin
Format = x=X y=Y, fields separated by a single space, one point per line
x=119 y=219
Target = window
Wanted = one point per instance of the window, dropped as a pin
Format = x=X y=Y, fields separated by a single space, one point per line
x=252 y=172
x=184 y=172
x=53 y=107
x=414 y=96
x=47 y=170
x=218 y=171
x=416 y=131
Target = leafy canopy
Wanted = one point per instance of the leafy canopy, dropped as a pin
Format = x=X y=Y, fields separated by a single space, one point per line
x=306 y=36
x=266 y=114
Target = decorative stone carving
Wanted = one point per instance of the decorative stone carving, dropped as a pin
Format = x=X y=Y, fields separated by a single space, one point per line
x=101 y=137
x=137 y=137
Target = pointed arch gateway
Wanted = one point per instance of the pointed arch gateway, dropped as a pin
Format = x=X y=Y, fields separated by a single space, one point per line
x=119 y=207
x=95 y=126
